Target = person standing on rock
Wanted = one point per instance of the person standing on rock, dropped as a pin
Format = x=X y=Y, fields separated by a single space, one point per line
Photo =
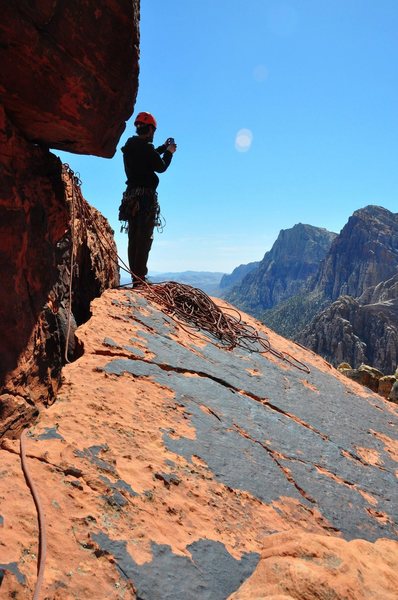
x=139 y=207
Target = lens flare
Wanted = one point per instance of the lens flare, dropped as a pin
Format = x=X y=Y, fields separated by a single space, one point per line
x=243 y=140
x=260 y=73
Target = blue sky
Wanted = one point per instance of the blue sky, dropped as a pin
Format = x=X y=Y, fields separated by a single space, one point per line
x=283 y=112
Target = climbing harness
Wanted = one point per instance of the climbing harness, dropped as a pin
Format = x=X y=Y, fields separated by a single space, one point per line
x=128 y=208
x=133 y=200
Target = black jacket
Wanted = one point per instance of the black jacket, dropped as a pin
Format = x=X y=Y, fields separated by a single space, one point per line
x=141 y=160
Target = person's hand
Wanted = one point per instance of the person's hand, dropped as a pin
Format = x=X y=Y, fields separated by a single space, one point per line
x=172 y=148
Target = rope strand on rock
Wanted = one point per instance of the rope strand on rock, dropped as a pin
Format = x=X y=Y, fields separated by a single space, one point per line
x=84 y=212
x=41 y=563
x=75 y=184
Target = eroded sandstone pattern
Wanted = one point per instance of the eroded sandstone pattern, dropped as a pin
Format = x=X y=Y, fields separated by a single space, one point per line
x=167 y=465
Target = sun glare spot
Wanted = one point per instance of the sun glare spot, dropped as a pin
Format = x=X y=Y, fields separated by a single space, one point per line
x=260 y=73
x=243 y=140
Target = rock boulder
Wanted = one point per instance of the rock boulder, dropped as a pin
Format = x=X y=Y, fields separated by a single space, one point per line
x=302 y=566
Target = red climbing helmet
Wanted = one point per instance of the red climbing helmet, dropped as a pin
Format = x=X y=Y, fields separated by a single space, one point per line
x=145 y=118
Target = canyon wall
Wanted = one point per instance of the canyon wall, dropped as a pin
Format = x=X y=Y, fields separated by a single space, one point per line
x=66 y=82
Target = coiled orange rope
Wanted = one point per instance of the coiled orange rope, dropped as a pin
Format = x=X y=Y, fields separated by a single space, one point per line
x=193 y=306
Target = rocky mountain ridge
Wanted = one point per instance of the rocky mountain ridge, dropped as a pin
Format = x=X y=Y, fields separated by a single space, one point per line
x=208 y=281
x=233 y=279
x=286 y=270
x=359 y=277
x=364 y=254
x=347 y=310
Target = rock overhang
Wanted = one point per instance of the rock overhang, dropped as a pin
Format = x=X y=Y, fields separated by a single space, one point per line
x=67 y=81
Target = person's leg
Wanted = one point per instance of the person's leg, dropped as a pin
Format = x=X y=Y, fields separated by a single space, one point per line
x=129 y=210
x=140 y=238
x=143 y=247
x=131 y=247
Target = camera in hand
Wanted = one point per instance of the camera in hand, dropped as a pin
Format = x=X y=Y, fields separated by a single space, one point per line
x=169 y=141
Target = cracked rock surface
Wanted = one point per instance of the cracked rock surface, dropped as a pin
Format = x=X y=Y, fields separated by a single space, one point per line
x=170 y=468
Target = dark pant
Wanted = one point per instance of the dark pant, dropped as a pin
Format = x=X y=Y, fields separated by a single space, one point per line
x=141 y=227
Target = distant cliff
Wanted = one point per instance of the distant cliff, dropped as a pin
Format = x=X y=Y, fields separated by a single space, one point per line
x=364 y=254
x=286 y=270
x=238 y=274
x=339 y=299
x=360 y=277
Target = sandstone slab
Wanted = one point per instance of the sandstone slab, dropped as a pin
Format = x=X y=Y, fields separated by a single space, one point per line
x=167 y=464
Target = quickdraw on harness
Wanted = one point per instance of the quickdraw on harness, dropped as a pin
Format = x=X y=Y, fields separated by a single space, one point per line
x=131 y=204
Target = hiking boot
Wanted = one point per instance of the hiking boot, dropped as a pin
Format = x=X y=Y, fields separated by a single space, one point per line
x=140 y=282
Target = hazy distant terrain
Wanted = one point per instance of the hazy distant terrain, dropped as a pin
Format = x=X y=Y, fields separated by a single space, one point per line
x=207 y=281
x=213 y=283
